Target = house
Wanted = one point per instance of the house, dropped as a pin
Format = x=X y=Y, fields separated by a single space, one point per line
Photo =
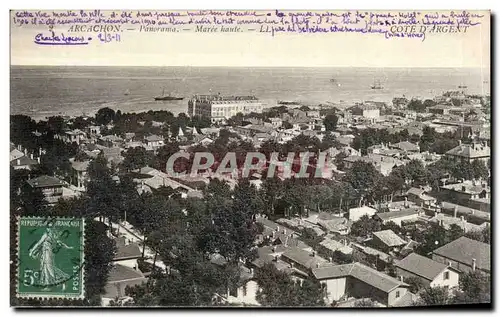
x=334 y=224
x=446 y=221
x=407 y=215
x=469 y=152
x=79 y=173
x=25 y=162
x=153 y=142
x=356 y=213
x=405 y=146
x=245 y=290
x=276 y=122
x=366 y=111
x=465 y=255
x=15 y=153
x=430 y=272
x=113 y=154
x=303 y=260
x=159 y=179
x=465 y=191
x=359 y=281
x=419 y=197
x=110 y=141
x=121 y=276
x=329 y=246
x=387 y=241
x=94 y=130
x=51 y=187
x=76 y=136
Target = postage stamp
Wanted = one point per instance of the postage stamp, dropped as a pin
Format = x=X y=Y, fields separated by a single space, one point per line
x=50 y=257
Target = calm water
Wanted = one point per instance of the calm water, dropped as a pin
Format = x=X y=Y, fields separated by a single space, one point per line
x=46 y=91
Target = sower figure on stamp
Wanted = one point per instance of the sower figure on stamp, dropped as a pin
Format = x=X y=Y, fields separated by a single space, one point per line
x=44 y=251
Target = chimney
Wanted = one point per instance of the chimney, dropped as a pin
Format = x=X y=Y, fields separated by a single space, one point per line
x=459 y=142
x=168 y=270
x=314 y=253
x=278 y=228
x=330 y=259
x=274 y=234
x=463 y=188
x=473 y=264
x=406 y=202
x=284 y=231
x=317 y=265
x=25 y=151
x=31 y=155
x=39 y=151
x=273 y=249
x=441 y=222
x=251 y=270
x=449 y=263
x=455 y=210
x=462 y=218
x=401 y=278
x=18 y=162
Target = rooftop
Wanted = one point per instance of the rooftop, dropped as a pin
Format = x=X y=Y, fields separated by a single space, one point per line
x=45 y=181
x=463 y=250
x=474 y=150
x=421 y=266
x=396 y=214
x=389 y=238
x=361 y=272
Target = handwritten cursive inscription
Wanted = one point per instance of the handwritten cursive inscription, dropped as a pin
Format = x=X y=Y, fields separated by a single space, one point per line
x=62 y=39
x=386 y=24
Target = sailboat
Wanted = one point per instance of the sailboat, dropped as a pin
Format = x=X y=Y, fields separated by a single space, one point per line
x=334 y=81
x=127 y=92
x=168 y=97
x=376 y=85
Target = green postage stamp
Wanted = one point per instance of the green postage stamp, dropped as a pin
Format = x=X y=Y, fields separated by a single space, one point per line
x=50 y=257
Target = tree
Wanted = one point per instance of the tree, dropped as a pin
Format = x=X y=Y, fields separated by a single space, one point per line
x=365 y=226
x=390 y=225
x=431 y=296
x=136 y=158
x=475 y=287
x=276 y=289
x=365 y=302
x=364 y=177
x=434 y=237
x=416 y=284
x=330 y=122
x=104 y=116
x=479 y=170
x=287 y=125
x=416 y=105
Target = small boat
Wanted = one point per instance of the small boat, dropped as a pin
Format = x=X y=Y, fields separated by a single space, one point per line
x=168 y=97
x=462 y=86
x=127 y=92
x=376 y=85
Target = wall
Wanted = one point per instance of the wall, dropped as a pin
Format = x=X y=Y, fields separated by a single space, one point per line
x=335 y=288
x=406 y=274
x=360 y=289
x=451 y=282
x=392 y=299
x=454 y=264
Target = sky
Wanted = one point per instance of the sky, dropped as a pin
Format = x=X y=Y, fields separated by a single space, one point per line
x=471 y=49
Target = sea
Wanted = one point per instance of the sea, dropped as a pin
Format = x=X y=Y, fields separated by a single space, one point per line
x=44 y=91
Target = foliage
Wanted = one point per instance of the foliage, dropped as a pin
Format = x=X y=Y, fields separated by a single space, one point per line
x=431 y=296
x=277 y=289
x=104 y=116
x=365 y=226
x=416 y=284
x=330 y=122
x=475 y=287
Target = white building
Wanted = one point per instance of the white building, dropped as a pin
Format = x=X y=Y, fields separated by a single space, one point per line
x=220 y=108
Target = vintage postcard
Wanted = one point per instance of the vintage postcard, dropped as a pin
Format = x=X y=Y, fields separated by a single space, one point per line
x=257 y=158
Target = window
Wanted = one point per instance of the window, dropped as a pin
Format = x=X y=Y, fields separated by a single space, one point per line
x=446 y=275
x=397 y=294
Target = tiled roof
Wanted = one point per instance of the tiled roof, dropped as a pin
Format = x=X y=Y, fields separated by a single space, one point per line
x=421 y=266
x=397 y=214
x=361 y=272
x=406 y=146
x=130 y=250
x=45 y=181
x=389 y=238
x=464 y=250
x=80 y=166
x=120 y=272
x=303 y=258
x=470 y=151
x=22 y=161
